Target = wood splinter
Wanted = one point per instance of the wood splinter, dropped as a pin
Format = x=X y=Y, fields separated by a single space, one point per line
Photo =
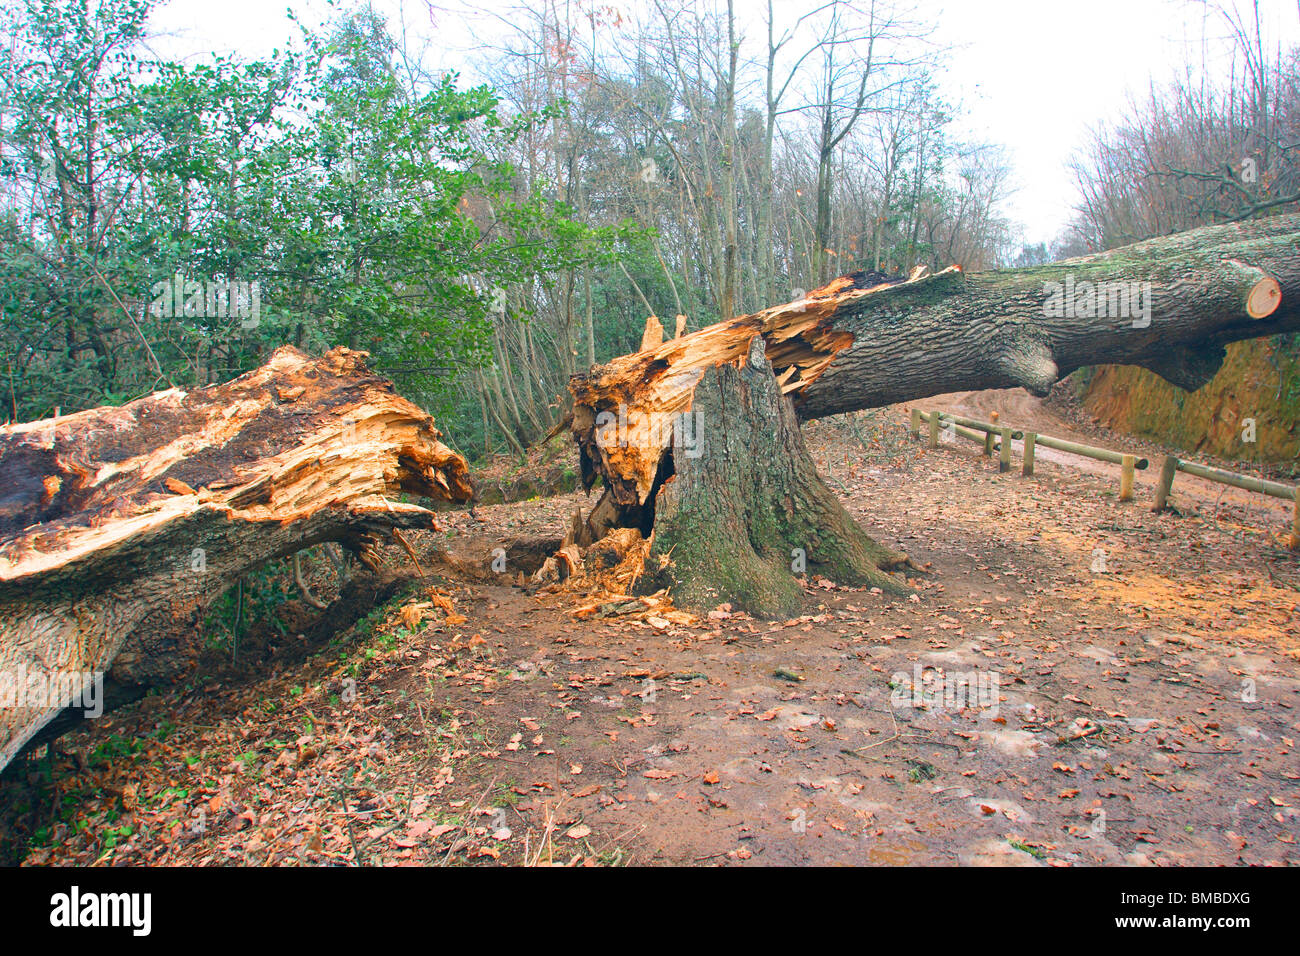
x=121 y=526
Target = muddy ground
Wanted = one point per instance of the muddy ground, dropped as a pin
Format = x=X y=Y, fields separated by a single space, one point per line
x=1136 y=700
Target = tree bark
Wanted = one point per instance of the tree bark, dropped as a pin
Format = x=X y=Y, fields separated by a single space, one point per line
x=859 y=343
x=120 y=526
x=745 y=511
x=991 y=330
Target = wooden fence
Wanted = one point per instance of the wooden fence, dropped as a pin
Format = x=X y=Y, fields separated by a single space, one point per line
x=984 y=432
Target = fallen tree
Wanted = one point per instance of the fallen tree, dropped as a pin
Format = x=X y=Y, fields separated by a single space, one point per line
x=120 y=526
x=696 y=439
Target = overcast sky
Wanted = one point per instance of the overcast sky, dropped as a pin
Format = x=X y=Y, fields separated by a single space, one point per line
x=1034 y=75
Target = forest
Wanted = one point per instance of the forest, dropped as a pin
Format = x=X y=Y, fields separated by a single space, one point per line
x=531 y=223
x=574 y=457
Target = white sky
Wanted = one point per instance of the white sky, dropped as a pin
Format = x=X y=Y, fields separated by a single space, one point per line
x=1034 y=75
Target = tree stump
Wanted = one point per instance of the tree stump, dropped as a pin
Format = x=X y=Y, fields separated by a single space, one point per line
x=742 y=514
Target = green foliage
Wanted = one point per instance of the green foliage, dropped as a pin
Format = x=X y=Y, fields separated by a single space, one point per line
x=264 y=591
x=363 y=212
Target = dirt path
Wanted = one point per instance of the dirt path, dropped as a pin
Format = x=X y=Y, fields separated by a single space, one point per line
x=1146 y=702
x=1015 y=407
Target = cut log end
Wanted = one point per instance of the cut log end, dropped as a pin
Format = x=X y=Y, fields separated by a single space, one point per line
x=1264 y=298
x=1261 y=292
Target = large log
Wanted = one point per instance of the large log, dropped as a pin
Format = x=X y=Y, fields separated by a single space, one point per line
x=1169 y=304
x=120 y=526
x=1205 y=289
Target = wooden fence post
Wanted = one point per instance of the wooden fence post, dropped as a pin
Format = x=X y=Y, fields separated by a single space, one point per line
x=988 y=444
x=1126 y=478
x=916 y=423
x=1031 y=439
x=1295 y=523
x=934 y=429
x=1004 y=456
x=1166 y=484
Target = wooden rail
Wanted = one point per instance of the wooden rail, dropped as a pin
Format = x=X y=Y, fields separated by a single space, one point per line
x=1262 y=486
x=984 y=431
x=1089 y=451
x=977 y=430
x=970 y=428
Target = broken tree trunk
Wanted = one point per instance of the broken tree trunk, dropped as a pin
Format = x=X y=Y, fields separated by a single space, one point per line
x=745 y=510
x=1195 y=293
x=120 y=526
x=1168 y=304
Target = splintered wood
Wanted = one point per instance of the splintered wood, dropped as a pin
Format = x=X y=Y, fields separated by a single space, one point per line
x=120 y=526
x=605 y=576
x=626 y=410
x=278 y=444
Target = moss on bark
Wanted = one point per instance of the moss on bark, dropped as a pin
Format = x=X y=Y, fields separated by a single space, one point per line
x=745 y=513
